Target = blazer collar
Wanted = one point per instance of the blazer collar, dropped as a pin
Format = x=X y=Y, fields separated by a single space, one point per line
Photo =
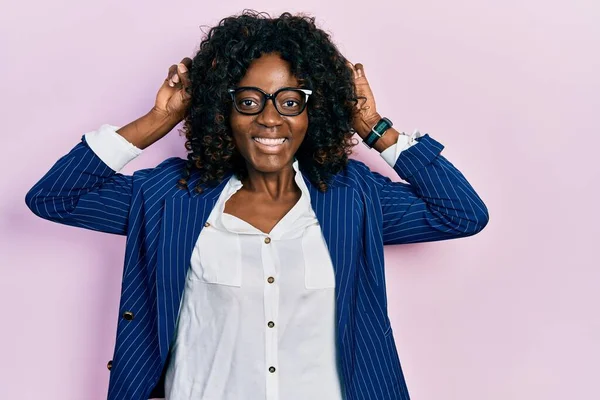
x=207 y=190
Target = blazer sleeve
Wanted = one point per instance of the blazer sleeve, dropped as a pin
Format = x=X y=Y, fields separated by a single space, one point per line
x=81 y=190
x=437 y=204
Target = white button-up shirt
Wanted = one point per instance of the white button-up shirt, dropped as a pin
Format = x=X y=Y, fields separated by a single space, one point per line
x=257 y=320
x=257 y=316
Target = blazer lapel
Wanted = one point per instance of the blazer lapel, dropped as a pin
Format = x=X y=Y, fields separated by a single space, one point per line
x=184 y=215
x=335 y=212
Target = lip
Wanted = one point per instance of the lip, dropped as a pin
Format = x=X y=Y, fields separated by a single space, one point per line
x=271 y=149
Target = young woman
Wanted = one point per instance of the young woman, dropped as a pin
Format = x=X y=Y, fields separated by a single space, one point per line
x=254 y=269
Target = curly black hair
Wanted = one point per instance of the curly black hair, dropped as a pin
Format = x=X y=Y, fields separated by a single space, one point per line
x=225 y=54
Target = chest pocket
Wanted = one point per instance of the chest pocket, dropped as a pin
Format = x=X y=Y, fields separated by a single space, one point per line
x=216 y=258
x=318 y=268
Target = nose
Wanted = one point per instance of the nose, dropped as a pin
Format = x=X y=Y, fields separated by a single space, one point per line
x=269 y=115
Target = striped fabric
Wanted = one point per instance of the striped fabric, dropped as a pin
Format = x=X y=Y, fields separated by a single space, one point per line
x=360 y=213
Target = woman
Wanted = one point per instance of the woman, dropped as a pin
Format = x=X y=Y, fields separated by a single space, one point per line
x=254 y=269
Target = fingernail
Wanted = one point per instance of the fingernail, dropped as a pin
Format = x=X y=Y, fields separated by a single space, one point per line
x=359 y=69
x=175 y=78
x=182 y=68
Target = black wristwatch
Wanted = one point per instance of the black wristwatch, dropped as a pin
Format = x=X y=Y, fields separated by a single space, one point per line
x=377 y=131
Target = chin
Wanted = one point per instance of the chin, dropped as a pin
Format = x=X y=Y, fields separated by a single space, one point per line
x=269 y=163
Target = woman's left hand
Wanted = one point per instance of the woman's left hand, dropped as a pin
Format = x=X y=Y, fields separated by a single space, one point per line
x=365 y=113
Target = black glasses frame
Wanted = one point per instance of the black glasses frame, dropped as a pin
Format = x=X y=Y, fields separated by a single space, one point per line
x=267 y=97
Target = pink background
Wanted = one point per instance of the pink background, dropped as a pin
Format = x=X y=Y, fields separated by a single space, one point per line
x=511 y=88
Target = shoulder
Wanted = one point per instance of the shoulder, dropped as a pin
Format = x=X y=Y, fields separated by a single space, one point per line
x=164 y=176
x=358 y=175
x=170 y=163
x=167 y=166
x=355 y=166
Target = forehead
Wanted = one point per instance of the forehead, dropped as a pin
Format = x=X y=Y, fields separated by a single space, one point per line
x=269 y=72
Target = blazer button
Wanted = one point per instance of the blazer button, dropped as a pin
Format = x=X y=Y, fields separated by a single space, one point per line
x=128 y=315
x=271 y=324
x=271 y=369
x=270 y=279
x=109 y=365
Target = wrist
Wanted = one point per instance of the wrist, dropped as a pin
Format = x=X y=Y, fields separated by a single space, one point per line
x=389 y=139
x=148 y=129
x=364 y=125
x=162 y=118
x=156 y=125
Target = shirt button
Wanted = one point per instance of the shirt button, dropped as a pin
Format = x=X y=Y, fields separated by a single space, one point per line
x=207 y=224
x=128 y=315
x=267 y=240
x=271 y=324
x=270 y=279
x=271 y=369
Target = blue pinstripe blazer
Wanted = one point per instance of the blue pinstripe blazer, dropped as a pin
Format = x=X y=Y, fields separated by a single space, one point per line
x=360 y=213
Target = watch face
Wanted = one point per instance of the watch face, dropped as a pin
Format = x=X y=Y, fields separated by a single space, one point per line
x=381 y=126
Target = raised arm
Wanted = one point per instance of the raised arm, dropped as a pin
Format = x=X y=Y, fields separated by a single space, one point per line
x=84 y=187
x=437 y=204
x=82 y=190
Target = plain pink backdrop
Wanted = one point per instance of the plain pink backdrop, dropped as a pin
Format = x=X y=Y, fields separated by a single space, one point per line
x=511 y=88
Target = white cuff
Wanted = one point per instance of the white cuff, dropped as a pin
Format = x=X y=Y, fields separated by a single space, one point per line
x=391 y=154
x=112 y=148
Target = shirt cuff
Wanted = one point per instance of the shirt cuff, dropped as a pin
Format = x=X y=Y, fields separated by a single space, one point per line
x=113 y=149
x=391 y=154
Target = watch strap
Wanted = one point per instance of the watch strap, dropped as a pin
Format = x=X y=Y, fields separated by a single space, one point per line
x=377 y=131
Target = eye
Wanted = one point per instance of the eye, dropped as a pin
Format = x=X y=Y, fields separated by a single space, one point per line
x=290 y=103
x=247 y=104
x=290 y=100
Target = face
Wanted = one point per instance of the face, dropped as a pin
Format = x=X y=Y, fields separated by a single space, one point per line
x=254 y=134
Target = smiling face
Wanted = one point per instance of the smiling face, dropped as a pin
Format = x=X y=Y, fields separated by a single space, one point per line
x=269 y=140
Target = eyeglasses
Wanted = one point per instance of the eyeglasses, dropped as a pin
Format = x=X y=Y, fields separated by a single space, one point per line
x=288 y=101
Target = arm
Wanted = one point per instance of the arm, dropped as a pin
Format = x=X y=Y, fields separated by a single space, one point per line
x=437 y=204
x=80 y=190
x=84 y=187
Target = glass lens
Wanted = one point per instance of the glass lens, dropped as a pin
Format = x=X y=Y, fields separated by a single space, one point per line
x=290 y=102
x=249 y=100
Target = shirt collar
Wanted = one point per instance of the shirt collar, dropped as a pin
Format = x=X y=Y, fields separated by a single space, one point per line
x=299 y=216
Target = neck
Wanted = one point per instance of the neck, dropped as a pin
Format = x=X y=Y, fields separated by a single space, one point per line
x=272 y=184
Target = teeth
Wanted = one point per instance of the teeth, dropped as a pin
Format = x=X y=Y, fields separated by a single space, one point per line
x=270 y=142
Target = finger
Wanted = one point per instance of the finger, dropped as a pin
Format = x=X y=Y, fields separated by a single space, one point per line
x=183 y=75
x=172 y=71
x=351 y=66
x=360 y=70
x=187 y=62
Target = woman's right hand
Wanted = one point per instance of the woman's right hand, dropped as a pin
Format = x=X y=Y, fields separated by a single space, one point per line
x=171 y=106
x=173 y=99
